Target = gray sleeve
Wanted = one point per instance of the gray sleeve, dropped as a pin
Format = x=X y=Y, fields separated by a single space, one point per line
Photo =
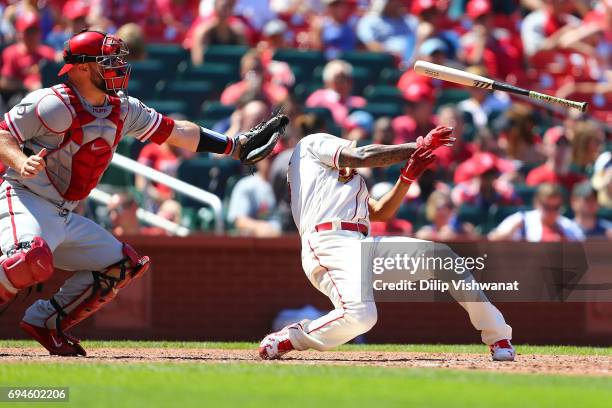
x=141 y=121
x=240 y=202
x=23 y=121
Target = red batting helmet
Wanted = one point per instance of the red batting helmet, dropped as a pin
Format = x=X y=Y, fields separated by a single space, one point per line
x=106 y=50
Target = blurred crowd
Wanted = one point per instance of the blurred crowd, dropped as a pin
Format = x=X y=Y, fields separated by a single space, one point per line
x=518 y=171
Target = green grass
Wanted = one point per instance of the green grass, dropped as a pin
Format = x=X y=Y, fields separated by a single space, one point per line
x=268 y=385
x=425 y=348
x=117 y=385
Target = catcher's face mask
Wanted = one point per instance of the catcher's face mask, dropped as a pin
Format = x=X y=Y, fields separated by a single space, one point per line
x=107 y=51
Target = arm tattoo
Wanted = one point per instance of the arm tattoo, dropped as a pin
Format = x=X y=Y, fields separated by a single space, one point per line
x=375 y=155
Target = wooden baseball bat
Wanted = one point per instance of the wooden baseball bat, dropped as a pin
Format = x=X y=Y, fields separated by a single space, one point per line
x=468 y=79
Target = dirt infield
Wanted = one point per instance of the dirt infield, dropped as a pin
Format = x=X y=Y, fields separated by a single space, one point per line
x=528 y=363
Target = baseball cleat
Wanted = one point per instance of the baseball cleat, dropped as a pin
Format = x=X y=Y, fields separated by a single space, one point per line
x=502 y=350
x=274 y=345
x=57 y=345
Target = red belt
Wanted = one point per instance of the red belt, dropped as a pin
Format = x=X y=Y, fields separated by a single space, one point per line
x=344 y=225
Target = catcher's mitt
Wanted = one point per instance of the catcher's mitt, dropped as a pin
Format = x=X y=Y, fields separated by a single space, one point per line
x=259 y=141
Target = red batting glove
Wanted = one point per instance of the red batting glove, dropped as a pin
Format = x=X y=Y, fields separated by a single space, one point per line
x=439 y=136
x=416 y=165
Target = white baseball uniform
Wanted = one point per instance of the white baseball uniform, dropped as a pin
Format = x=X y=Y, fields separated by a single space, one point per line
x=321 y=193
x=81 y=140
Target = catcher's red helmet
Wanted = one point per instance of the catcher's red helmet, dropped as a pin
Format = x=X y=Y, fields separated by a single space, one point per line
x=106 y=50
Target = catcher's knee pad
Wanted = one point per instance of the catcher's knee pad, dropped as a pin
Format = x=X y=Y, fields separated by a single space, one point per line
x=27 y=264
x=105 y=287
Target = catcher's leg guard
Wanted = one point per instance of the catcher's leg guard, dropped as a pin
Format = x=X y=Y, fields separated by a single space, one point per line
x=106 y=285
x=27 y=264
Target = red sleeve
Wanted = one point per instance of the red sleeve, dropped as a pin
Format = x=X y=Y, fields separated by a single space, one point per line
x=8 y=69
x=163 y=131
x=4 y=126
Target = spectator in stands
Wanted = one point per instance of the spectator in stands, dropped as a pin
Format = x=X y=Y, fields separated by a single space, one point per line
x=432 y=50
x=488 y=186
x=219 y=29
x=255 y=81
x=134 y=37
x=336 y=96
x=334 y=32
x=543 y=28
x=165 y=158
x=444 y=224
x=518 y=139
x=360 y=126
x=488 y=45
x=387 y=27
x=449 y=157
x=252 y=204
x=602 y=179
x=274 y=37
x=111 y=14
x=383 y=131
x=482 y=102
x=177 y=16
x=418 y=116
x=587 y=142
x=543 y=224
x=73 y=19
x=557 y=149
x=247 y=116
x=256 y=12
x=122 y=215
x=394 y=226
x=21 y=61
x=296 y=15
x=585 y=207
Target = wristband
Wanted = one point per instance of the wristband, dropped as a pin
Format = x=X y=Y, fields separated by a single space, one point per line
x=213 y=142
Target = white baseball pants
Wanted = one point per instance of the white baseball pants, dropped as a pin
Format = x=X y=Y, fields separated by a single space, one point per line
x=332 y=260
x=78 y=244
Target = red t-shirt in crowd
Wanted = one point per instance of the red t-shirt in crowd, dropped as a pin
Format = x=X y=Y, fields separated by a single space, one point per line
x=161 y=159
x=392 y=227
x=273 y=93
x=544 y=174
x=20 y=64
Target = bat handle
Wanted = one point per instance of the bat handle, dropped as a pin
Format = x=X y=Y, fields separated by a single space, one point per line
x=581 y=106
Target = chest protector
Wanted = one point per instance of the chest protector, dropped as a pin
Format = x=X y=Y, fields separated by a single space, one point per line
x=76 y=166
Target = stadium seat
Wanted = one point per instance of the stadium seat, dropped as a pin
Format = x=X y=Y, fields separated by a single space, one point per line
x=194 y=93
x=409 y=212
x=48 y=72
x=306 y=60
x=216 y=111
x=303 y=90
x=525 y=192
x=373 y=61
x=170 y=54
x=380 y=109
x=323 y=113
x=225 y=54
x=383 y=93
x=473 y=214
x=451 y=96
x=208 y=174
x=389 y=76
x=168 y=107
x=218 y=74
x=499 y=213
x=605 y=213
x=149 y=71
x=116 y=176
x=141 y=90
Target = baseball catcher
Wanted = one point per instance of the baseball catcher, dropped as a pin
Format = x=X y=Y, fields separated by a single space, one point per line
x=57 y=143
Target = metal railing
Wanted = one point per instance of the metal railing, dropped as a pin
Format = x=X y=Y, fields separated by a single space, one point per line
x=175 y=184
x=144 y=215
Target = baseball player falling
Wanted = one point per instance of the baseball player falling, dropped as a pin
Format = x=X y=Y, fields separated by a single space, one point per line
x=58 y=142
x=332 y=210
